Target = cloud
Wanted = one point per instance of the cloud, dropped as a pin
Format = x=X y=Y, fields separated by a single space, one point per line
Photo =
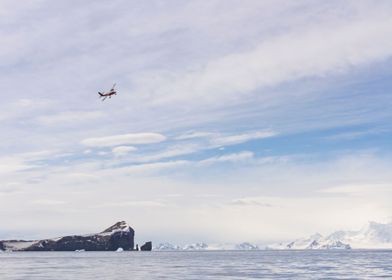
x=174 y=151
x=72 y=117
x=124 y=139
x=250 y=201
x=10 y=188
x=350 y=135
x=315 y=51
x=154 y=167
x=40 y=155
x=226 y=139
x=193 y=135
x=23 y=108
x=122 y=150
x=241 y=138
x=260 y=197
x=363 y=190
x=80 y=177
x=28 y=103
x=137 y=203
x=14 y=164
x=49 y=202
x=234 y=158
x=197 y=145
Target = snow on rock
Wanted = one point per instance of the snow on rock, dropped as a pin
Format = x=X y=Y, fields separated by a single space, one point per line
x=117 y=227
x=335 y=245
x=17 y=245
x=311 y=242
x=120 y=250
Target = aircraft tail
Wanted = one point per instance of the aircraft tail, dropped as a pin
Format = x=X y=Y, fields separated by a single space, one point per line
x=100 y=93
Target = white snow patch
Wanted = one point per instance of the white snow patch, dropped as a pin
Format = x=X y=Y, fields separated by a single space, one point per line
x=17 y=245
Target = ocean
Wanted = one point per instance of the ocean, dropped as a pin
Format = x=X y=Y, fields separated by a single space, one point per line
x=317 y=264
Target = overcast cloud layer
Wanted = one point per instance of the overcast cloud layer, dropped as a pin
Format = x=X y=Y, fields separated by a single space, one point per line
x=235 y=120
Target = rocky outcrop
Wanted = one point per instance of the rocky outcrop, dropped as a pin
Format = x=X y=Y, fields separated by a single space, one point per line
x=146 y=246
x=120 y=235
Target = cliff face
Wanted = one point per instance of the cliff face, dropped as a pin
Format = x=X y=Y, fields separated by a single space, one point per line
x=120 y=235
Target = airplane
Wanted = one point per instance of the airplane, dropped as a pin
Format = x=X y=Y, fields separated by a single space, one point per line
x=109 y=94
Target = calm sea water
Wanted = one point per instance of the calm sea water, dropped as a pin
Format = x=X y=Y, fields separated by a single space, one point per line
x=197 y=265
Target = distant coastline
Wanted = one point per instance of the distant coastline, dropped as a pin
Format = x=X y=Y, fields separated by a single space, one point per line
x=120 y=237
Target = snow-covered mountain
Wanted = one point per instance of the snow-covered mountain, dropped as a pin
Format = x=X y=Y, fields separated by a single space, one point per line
x=189 y=247
x=315 y=241
x=203 y=246
x=195 y=247
x=246 y=247
x=166 y=247
x=372 y=236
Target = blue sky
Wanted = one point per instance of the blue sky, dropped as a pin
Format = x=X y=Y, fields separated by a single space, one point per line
x=235 y=120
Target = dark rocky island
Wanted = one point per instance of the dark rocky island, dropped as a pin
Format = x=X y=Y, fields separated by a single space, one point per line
x=147 y=246
x=120 y=235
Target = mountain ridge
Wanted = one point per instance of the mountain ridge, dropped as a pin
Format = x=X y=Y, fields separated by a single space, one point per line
x=373 y=235
x=119 y=235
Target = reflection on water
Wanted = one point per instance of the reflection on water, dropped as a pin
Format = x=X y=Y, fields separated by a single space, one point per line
x=351 y=264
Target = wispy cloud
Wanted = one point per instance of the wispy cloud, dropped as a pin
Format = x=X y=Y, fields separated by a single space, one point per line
x=350 y=135
x=315 y=51
x=123 y=150
x=13 y=164
x=214 y=139
x=49 y=202
x=72 y=117
x=195 y=135
x=250 y=201
x=241 y=138
x=364 y=190
x=23 y=107
x=155 y=167
x=124 y=139
x=170 y=152
x=235 y=157
x=136 y=203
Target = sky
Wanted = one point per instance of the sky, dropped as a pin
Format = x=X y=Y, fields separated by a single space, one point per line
x=235 y=121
